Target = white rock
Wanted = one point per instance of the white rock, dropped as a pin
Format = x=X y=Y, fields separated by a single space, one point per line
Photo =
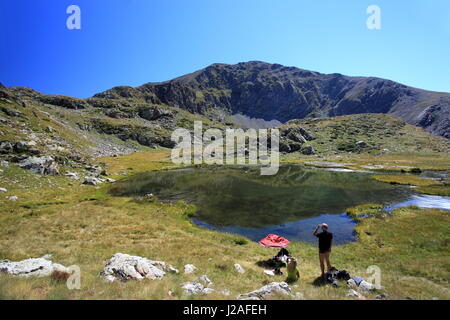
x=34 y=267
x=225 y=292
x=189 y=268
x=13 y=198
x=353 y=293
x=72 y=175
x=4 y=164
x=125 y=267
x=352 y=283
x=269 y=272
x=3 y=190
x=193 y=288
x=366 y=286
x=267 y=290
x=110 y=180
x=239 y=268
x=205 y=280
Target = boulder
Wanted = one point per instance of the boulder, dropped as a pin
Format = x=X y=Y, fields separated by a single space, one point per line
x=72 y=175
x=41 y=165
x=92 y=181
x=198 y=286
x=6 y=147
x=153 y=113
x=124 y=267
x=33 y=267
x=189 y=268
x=3 y=190
x=13 y=198
x=239 y=268
x=267 y=290
x=308 y=150
x=4 y=164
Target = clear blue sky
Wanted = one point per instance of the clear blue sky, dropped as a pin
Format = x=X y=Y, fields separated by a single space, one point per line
x=131 y=42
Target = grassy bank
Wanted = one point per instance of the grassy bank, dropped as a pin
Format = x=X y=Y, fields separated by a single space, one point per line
x=85 y=226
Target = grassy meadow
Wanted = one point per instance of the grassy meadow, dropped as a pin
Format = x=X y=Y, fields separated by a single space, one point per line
x=84 y=225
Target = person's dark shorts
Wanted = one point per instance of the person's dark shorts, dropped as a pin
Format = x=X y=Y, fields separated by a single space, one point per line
x=324 y=251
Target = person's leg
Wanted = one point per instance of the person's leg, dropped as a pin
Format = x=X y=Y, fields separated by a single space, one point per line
x=327 y=258
x=322 y=266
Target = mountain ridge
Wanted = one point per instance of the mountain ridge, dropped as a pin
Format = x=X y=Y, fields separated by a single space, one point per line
x=275 y=92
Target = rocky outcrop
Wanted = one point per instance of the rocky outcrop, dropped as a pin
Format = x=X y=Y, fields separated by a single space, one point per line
x=267 y=290
x=34 y=267
x=123 y=267
x=41 y=165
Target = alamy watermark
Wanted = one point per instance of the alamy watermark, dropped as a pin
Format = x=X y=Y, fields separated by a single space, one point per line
x=374 y=20
x=229 y=146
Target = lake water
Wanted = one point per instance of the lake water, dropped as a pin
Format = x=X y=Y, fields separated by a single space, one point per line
x=290 y=203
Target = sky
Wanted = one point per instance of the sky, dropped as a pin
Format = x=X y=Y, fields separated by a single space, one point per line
x=132 y=42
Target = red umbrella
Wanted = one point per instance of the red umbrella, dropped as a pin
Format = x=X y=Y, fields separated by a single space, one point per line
x=274 y=241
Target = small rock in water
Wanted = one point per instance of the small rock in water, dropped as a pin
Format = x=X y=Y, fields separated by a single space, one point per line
x=189 y=268
x=239 y=268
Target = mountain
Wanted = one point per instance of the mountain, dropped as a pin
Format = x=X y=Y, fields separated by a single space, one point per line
x=275 y=92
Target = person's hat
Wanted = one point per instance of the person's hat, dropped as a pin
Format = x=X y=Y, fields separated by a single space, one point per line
x=324 y=225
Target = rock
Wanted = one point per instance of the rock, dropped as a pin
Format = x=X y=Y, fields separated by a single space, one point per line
x=267 y=290
x=21 y=146
x=49 y=129
x=193 y=288
x=239 y=268
x=72 y=175
x=225 y=292
x=41 y=165
x=269 y=272
x=154 y=113
x=124 y=267
x=361 y=144
x=6 y=147
x=354 y=293
x=34 y=267
x=352 y=283
x=382 y=296
x=4 y=164
x=189 y=268
x=308 y=150
x=110 y=180
x=92 y=181
x=366 y=286
x=3 y=190
x=13 y=198
x=205 y=280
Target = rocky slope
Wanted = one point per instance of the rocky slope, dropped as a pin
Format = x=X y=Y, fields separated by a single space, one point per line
x=272 y=91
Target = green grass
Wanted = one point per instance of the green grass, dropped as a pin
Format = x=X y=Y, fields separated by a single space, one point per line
x=84 y=225
x=407 y=179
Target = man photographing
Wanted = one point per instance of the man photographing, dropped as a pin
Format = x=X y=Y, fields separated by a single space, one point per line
x=325 y=243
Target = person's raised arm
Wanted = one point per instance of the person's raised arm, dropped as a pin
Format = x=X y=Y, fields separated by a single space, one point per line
x=315 y=230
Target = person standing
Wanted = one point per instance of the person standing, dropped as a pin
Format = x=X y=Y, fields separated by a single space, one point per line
x=325 y=243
